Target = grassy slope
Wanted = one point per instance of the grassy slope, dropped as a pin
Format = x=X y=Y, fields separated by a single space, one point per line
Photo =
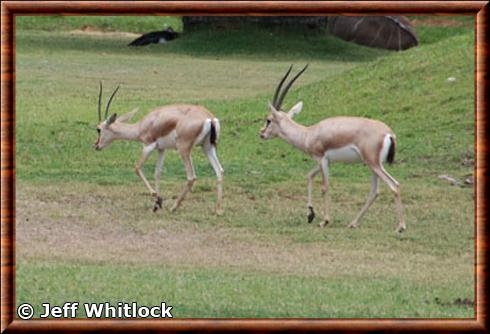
x=432 y=117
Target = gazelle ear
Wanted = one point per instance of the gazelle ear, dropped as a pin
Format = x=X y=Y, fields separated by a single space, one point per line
x=296 y=109
x=128 y=116
x=111 y=119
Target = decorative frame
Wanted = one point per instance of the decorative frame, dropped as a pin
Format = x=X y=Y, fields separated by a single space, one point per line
x=9 y=9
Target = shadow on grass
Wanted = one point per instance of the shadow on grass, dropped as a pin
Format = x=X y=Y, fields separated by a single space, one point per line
x=253 y=43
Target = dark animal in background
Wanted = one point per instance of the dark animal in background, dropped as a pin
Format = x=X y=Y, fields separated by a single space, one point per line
x=386 y=32
x=155 y=37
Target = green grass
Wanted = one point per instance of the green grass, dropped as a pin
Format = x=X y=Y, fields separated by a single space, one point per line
x=227 y=294
x=135 y=24
x=271 y=263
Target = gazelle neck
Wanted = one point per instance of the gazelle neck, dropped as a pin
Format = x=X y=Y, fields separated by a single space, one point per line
x=293 y=133
x=126 y=131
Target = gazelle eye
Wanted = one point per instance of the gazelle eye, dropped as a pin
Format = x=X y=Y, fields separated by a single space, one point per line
x=268 y=122
x=98 y=131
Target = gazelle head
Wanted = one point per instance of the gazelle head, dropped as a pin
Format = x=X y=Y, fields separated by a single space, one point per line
x=276 y=114
x=108 y=129
x=104 y=134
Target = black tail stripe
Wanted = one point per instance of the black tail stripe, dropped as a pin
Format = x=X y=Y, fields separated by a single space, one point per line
x=212 y=135
x=391 y=153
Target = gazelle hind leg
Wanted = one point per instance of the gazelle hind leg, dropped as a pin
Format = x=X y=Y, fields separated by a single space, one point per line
x=395 y=188
x=158 y=173
x=311 y=175
x=210 y=151
x=373 y=194
x=191 y=178
x=326 y=198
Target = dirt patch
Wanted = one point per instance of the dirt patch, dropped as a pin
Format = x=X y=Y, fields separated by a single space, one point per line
x=94 y=32
x=100 y=223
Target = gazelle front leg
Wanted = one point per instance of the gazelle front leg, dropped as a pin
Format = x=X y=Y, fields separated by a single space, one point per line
x=147 y=149
x=210 y=151
x=324 y=169
x=158 y=173
x=191 y=178
x=311 y=175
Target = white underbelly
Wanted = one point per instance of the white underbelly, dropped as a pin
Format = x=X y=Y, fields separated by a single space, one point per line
x=344 y=154
x=169 y=141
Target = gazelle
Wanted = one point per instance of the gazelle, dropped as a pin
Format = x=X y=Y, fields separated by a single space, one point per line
x=179 y=127
x=336 y=139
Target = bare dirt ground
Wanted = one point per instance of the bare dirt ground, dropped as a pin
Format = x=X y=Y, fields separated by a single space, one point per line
x=95 y=223
x=96 y=32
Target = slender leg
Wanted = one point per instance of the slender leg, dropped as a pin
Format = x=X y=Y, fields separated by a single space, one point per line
x=147 y=149
x=371 y=197
x=210 y=151
x=395 y=188
x=311 y=175
x=191 y=178
x=324 y=169
x=158 y=173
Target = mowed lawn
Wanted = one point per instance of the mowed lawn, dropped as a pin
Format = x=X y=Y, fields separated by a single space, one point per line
x=85 y=230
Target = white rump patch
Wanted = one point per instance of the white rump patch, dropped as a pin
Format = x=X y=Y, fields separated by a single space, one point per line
x=383 y=155
x=348 y=153
x=205 y=130
x=218 y=128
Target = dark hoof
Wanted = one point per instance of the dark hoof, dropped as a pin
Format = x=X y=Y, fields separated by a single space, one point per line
x=401 y=229
x=311 y=215
x=324 y=223
x=158 y=204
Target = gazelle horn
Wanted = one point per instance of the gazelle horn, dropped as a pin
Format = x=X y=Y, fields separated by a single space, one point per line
x=285 y=90
x=274 y=100
x=109 y=103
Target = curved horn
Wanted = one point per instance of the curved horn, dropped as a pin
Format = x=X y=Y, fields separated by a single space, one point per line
x=100 y=100
x=109 y=103
x=279 y=88
x=285 y=91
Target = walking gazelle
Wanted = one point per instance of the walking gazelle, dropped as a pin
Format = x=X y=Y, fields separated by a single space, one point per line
x=179 y=127
x=336 y=139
